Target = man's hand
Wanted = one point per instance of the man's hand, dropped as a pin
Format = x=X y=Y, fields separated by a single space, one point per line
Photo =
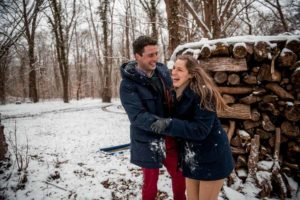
x=160 y=125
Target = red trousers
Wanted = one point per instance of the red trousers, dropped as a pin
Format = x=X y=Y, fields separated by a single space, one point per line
x=149 y=190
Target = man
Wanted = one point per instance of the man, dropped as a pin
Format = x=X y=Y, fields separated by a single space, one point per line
x=145 y=95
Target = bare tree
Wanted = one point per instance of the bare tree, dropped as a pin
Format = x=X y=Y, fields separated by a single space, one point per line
x=150 y=8
x=30 y=11
x=63 y=34
x=10 y=32
x=216 y=15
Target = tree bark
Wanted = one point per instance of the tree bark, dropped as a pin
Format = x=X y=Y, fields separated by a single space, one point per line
x=106 y=93
x=173 y=24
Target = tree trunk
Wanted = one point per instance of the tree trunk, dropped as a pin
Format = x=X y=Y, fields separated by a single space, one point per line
x=2 y=82
x=106 y=92
x=173 y=24
x=3 y=144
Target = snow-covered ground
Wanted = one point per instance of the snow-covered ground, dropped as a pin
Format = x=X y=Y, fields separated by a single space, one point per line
x=63 y=143
x=63 y=148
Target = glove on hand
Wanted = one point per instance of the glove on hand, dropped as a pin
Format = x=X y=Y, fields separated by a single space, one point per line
x=160 y=125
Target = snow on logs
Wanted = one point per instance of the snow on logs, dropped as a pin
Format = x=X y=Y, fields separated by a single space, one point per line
x=260 y=81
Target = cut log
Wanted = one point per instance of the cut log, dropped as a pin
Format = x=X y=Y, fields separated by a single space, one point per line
x=238 y=151
x=250 y=79
x=276 y=167
x=223 y=64
x=233 y=79
x=250 y=99
x=270 y=98
x=261 y=50
x=277 y=144
x=285 y=81
x=255 y=115
x=287 y=58
x=220 y=49
x=259 y=91
x=253 y=157
x=292 y=113
x=268 y=107
x=267 y=74
x=264 y=135
x=291 y=165
x=205 y=51
x=229 y=99
x=274 y=87
x=236 y=111
x=282 y=140
x=266 y=123
x=231 y=129
x=235 y=90
x=296 y=78
x=289 y=87
x=249 y=124
x=220 y=77
x=236 y=141
x=241 y=161
x=289 y=129
x=275 y=75
x=293 y=45
x=294 y=147
x=255 y=70
x=239 y=50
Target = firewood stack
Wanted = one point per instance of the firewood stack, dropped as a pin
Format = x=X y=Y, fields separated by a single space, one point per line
x=260 y=81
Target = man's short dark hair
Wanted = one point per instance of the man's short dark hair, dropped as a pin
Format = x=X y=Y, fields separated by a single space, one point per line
x=141 y=42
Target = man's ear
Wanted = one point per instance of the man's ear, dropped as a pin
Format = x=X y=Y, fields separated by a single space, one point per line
x=137 y=56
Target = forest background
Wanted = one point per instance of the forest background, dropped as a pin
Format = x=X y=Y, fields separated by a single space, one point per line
x=73 y=49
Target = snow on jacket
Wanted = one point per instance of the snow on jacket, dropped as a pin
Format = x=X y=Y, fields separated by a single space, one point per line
x=143 y=105
x=205 y=151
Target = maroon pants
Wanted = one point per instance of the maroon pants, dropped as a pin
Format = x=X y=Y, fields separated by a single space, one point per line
x=149 y=190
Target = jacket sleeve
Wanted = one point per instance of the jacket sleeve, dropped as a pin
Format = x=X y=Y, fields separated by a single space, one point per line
x=137 y=113
x=198 y=128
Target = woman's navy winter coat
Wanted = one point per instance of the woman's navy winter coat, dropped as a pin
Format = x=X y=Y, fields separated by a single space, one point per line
x=205 y=151
x=143 y=105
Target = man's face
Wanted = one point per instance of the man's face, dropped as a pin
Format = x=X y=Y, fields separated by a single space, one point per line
x=148 y=60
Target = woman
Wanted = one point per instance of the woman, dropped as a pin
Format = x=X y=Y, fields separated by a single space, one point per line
x=205 y=153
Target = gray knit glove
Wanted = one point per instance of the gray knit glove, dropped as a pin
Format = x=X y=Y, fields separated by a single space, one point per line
x=160 y=125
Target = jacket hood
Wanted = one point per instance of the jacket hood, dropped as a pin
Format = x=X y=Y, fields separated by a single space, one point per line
x=128 y=72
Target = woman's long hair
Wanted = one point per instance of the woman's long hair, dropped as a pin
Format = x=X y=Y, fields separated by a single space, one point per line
x=202 y=84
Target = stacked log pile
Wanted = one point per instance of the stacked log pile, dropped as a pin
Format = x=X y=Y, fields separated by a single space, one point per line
x=260 y=81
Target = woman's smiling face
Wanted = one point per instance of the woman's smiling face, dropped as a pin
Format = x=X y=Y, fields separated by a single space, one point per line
x=180 y=74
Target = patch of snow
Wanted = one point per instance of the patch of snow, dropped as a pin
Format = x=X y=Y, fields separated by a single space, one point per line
x=284 y=51
x=265 y=165
x=242 y=173
x=244 y=135
x=233 y=194
x=263 y=176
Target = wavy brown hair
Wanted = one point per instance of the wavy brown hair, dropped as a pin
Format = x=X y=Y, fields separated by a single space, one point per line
x=202 y=84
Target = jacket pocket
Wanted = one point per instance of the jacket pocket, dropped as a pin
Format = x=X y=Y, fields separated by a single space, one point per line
x=203 y=152
x=153 y=151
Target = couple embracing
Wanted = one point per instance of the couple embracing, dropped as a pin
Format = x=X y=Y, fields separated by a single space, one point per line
x=173 y=123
